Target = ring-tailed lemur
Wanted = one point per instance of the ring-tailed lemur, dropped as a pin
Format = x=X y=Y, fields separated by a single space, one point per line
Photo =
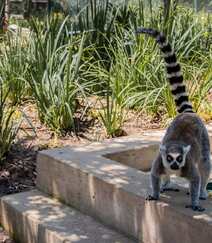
x=185 y=148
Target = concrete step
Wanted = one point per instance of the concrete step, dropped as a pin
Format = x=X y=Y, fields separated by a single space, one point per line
x=109 y=181
x=33 y=217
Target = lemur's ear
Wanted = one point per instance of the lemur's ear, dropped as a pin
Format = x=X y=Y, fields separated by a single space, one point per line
x=162 y=148
x=186 y=149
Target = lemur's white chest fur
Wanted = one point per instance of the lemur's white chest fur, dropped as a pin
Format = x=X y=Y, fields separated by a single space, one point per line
x=173 y=172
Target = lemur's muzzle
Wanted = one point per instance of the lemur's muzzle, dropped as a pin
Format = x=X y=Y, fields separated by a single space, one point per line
x=174 y=166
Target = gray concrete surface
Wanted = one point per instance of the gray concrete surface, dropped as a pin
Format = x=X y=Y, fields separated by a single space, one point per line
x=93 y=179
x=108 y=181
x=32 y=217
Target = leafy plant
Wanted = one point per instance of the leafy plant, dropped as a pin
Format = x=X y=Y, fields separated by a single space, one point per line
x=112 y=117
x=55 y=81
x=48 y=36
x=61 y=65
x=14 y=66
x=9 y=123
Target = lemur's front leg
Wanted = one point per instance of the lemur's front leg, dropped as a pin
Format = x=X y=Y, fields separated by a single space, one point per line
x=155 y=179
x=195 y=182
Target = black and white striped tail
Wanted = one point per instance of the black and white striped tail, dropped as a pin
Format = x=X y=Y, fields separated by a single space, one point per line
x=174 y=74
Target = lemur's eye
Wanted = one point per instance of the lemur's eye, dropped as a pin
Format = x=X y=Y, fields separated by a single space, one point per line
x=179 y=158
x=169 y=158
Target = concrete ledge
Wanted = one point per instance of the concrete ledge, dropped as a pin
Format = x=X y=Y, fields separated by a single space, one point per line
x=93 y=179
x=32 y=217
x=100 y=187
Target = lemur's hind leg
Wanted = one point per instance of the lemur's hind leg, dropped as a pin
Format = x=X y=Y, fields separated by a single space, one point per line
x=195 y=183
x=204 y=169
x=205 y=164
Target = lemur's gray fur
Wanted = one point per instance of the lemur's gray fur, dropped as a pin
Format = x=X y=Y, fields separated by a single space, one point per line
x=185 y=148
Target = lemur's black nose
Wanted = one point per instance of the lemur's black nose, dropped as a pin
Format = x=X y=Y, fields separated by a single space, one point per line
x=174 y=166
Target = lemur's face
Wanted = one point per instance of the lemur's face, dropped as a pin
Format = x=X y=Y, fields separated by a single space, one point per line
x=174 y=156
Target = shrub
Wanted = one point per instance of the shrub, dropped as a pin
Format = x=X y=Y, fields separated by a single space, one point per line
x=54 y=79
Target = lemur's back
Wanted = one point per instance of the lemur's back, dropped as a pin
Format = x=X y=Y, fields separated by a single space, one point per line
x=188 y=128
x=185 y=126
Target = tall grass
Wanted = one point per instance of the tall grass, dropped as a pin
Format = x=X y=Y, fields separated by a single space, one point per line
x=14 y=67
x=136 y=72
x=54 y=74
x=133 y=80
x=48 y=36
x=58 y=65
x=9 y=122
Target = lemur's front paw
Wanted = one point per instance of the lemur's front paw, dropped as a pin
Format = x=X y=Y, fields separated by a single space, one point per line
x=151 y=198
x=196 y=208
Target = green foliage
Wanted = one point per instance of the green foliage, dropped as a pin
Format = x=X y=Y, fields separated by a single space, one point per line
x=112 y=117
x=9 y=123
x=47 y=37
x=95 y=52
x=100 y=19
x=55 y=64
x=136 y=71
x=14 y=67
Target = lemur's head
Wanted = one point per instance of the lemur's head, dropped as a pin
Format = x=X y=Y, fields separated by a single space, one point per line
x=174 y=155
